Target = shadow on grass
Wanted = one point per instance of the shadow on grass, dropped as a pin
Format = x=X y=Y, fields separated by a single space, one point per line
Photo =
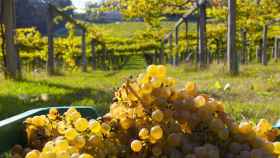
x=100 y=99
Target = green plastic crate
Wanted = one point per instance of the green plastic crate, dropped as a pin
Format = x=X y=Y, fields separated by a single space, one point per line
x=12 y=129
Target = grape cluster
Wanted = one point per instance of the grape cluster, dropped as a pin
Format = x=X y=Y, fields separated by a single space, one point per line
x=151 y=118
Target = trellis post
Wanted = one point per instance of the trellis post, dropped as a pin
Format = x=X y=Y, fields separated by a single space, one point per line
x=12 y=58
x=202 y=49
x=232 y=57
x=93 y=54
x=187 y=33
x=50 y=25
x=264 y=45
x=84 y=58
x=276 y=48
x=176 y=59
x=161 y=53
x=244 y=48
x=171 y=48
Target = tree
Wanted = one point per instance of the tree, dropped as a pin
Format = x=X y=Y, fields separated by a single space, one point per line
x=231 y=43
x=11 y=56
x=30 y=12
x=152 y=11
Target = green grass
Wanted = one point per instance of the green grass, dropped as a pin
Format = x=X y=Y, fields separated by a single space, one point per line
x=254 y=94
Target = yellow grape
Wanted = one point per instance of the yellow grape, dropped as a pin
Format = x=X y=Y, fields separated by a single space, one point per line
x=136 y=145
x=75 y=155
x=95 y=140
x=75 y=115
x=157 y=115
x=170 y=81
x=85 y=156
x=161 y=71
x=220 y=106
x=72 y=150
x=38 y=121
x=94 y=126
x=139 y=111
x=49 y=146
x=156 y=132
x=48 y=155
x=61 y=127
x=105 y=127
x=144 y=133
x=199 y=101
x=190 y=88
x=276 y=147
x=53 y=113
x=126 y=123
x=33 y=154
x=152 y=70
x=71 y=134
x=72 y=114
x=146 y=88
x=62 y=154
x=155 y=82
x=71 y=110
x=81 y=124
x=142 y=78
x=61 y=145
x=263 y=126
x=79 y=142
x=245 y=127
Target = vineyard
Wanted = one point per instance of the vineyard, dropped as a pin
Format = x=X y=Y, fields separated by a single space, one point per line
x=256 y=41
x=171 y=79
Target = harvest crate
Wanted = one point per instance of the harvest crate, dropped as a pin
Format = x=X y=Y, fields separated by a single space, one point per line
x=12 y=129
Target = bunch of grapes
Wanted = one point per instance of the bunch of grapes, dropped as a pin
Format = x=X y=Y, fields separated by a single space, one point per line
x=151 y=118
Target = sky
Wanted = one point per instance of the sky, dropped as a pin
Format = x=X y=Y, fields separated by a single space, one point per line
x=80 y=4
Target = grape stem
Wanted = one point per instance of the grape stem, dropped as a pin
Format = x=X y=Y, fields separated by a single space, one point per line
x=133 y=92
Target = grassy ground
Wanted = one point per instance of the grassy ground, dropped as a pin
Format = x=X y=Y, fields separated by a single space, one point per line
x=252 y=95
